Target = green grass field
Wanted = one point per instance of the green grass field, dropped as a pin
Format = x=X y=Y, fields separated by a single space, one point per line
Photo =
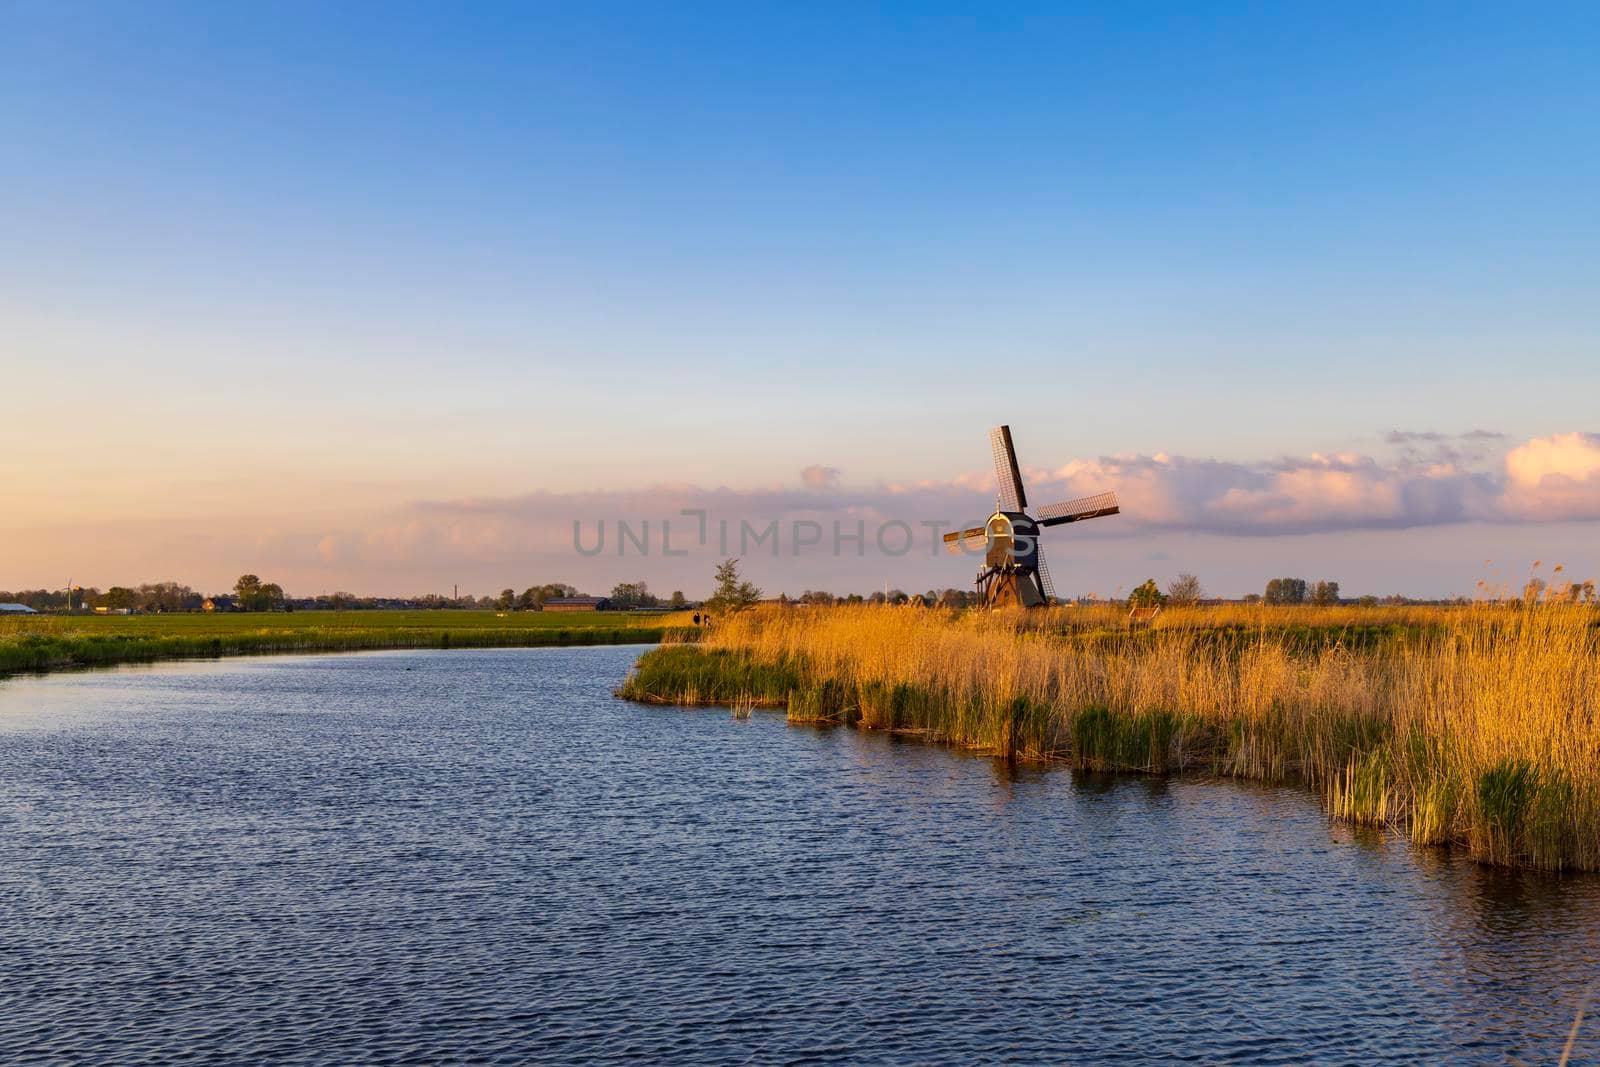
x=43 y=643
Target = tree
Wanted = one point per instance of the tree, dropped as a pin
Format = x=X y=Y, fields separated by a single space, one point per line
x=506 y=600
x=1286 y=591
x=251 y=594
x=1147 y=595
x=1325 y=593
x=732 y=593
x=626 y=596
x=121 y=598
x=247 y=591
x=167 y=596
x=536 y=596
x=1185 y=590
x=677 y=599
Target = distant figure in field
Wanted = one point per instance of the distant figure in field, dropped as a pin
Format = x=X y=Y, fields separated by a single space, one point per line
x=697 y=618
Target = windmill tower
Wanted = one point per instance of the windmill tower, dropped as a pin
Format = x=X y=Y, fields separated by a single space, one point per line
x=1014 y=572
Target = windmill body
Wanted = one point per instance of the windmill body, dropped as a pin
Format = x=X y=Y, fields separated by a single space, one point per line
x=1014 y=573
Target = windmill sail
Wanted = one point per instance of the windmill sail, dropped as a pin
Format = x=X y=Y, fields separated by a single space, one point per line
x=1012 y=497
x=1085 y=507
x=973 y=540
x=1045 y=583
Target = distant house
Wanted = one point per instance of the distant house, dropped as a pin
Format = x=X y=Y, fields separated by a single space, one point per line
x=16 y=609
x=218 y=603
x=578 y=603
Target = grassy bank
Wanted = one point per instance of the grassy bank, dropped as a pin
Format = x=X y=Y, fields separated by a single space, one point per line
x=1474 y=726
x=52 y=643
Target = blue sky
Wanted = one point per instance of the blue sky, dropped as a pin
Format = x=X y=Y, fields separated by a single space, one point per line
x=318 y=266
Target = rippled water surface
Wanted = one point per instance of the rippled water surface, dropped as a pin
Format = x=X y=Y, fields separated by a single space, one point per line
x=483 y=856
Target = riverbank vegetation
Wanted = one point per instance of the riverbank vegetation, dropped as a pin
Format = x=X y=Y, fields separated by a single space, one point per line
x=1477 y=726
x=43 y=643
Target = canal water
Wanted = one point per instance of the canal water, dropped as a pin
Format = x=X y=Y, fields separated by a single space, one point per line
x=482 y=856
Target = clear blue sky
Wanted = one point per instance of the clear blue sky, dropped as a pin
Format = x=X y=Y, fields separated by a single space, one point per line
x=430 y=247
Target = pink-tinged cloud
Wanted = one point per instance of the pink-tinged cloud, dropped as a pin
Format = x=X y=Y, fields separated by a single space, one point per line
x=1553 y=478
x=1545 y=479
x=1313 y=494
x=817 y=476
x=1542 y=480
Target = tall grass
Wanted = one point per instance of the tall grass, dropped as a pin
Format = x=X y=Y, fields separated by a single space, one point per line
x=1478 y=726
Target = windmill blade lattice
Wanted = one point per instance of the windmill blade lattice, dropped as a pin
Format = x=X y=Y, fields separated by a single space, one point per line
x=1012 y=496
x=970 y=541
x=1045 y=583
x=1085 y=507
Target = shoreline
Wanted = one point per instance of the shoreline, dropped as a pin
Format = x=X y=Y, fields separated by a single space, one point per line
x=38 y=650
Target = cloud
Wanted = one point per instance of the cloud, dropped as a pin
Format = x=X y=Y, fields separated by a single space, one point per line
x=1430 y=449
x=1317 y=493
x=817 y=476
x=1551 y=478
x=1541 y=480
x=1545 y=479
x=1406 y=437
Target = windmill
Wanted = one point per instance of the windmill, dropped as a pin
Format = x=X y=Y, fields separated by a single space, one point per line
x=1014 y=572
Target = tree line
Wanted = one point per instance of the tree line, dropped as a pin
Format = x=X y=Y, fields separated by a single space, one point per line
x=1186 y=589
x=251 y=593
x=151 y=596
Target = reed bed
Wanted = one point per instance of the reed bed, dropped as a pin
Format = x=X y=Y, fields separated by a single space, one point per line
x=1477 y=726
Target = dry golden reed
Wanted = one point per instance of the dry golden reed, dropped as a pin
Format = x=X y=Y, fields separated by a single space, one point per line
x=1477 y=725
